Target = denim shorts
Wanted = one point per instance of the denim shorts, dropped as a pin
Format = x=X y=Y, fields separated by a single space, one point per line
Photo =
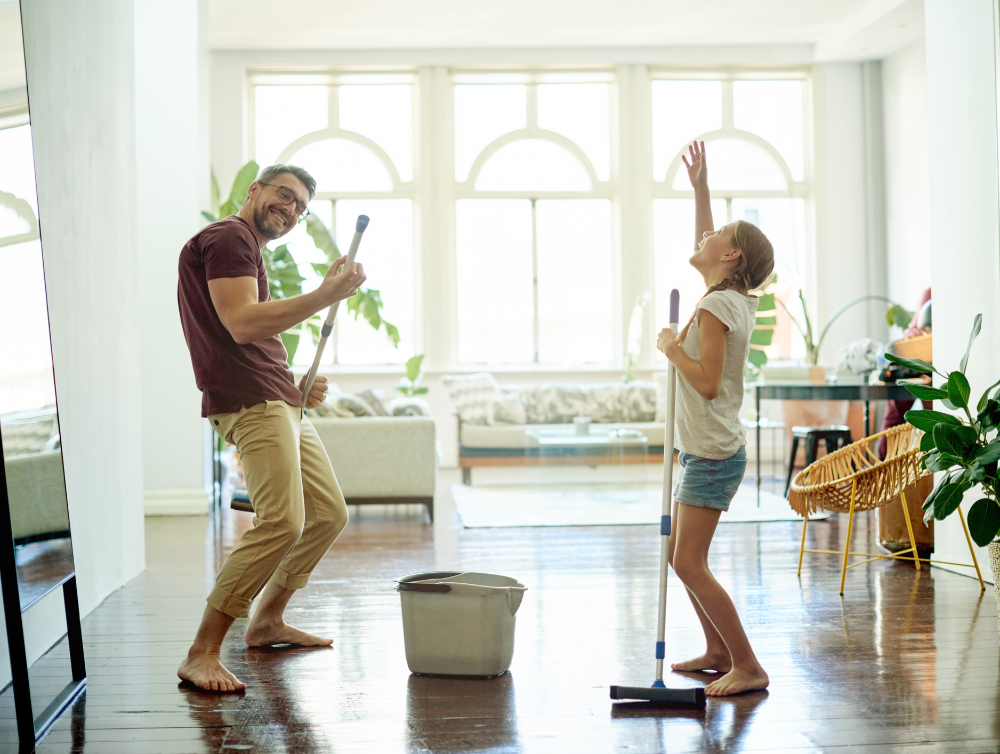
x=708 y=483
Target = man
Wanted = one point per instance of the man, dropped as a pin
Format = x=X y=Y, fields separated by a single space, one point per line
x=248 y=394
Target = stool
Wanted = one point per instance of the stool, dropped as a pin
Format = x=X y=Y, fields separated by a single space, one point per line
x=835 y=437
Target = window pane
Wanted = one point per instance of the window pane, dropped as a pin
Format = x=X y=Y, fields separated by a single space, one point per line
x=773 y=110
x=387 y=256
x=533 y=165
x=582 y=113
x=784 y=223
x=673 y=245
x=495 y=296
x=340 y=165
x=682 y=111
x=24 y=349
x=384 y=114
x=284 y=113
x=484 y=113
x=575 y=281
x=737 y=165
x=17 y=168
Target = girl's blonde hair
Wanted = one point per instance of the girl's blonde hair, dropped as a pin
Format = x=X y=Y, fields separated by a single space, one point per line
x=754 y=268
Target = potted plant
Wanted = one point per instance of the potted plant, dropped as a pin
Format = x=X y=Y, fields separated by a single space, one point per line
x=410 y=384
x=965 y=450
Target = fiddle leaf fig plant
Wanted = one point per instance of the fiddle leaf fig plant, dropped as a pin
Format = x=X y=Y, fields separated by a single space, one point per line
x=966 y=450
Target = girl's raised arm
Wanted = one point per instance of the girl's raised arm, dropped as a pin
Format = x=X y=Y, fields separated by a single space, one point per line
x=698 y=174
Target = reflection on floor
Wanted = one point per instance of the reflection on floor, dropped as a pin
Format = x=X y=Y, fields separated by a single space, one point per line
x=904 y=662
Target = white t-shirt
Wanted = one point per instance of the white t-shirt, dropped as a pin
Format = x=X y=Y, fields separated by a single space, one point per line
x=712 y=429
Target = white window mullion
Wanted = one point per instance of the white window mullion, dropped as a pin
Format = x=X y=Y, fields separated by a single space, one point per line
x=536 y=329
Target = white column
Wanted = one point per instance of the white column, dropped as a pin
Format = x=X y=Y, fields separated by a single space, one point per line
x=965 y=220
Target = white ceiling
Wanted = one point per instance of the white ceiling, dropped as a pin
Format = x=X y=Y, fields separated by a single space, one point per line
x=838 y=29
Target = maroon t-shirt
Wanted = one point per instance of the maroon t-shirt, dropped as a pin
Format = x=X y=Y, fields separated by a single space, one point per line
x=230 y=376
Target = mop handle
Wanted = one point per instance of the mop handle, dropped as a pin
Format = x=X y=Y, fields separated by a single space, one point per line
x=328 y=324
x=668 y=474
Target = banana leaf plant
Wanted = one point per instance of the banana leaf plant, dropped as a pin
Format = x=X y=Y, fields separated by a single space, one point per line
x=283 y=276
x=761 y=336
x=966 y=450
x=410 y=384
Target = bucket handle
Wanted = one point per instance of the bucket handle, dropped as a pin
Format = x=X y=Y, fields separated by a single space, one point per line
x=417 y=586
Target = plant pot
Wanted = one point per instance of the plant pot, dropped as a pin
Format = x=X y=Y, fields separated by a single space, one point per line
x=892 y=532
x=817 y=375
x=994 y=548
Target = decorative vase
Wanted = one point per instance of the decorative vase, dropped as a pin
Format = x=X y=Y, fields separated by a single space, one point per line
x=994 y=548
x=817 y=375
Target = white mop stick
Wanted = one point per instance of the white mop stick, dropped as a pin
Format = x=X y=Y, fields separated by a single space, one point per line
x=328 y=325
x=668 y=478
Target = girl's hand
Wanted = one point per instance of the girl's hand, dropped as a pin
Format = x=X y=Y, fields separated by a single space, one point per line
x=697 y=168
x=666 y=342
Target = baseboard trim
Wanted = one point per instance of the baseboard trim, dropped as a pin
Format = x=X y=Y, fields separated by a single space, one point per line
x=184 y=502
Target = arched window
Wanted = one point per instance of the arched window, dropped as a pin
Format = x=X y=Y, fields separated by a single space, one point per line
x=533 y=222
x=354 y=133
x=754 y=132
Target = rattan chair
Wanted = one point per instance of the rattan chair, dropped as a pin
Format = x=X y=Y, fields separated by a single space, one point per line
x=855 y=479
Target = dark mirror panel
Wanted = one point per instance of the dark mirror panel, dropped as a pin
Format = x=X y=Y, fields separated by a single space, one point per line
x=29 y=420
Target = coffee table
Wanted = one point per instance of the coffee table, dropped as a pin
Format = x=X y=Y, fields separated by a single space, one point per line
x=562 y=445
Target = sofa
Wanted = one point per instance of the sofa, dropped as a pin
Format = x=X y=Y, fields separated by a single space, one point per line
x=498 y=425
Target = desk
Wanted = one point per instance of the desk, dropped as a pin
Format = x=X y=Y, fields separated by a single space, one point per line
x=831 y=391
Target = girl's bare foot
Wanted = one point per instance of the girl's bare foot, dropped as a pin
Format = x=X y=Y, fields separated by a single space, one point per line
x=719 y=662
x=263 y=635
x=737 y=681
x=206 y=671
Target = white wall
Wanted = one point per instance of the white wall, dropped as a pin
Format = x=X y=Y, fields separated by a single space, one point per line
x=171 y=189
x=907 y=162
x=964 y=195
x=81 y=88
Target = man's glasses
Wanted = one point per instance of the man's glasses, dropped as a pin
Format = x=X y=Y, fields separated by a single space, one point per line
x=287 y=197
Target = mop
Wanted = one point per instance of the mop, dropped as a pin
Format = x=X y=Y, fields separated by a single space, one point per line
x=659 y=692
x=241 y=498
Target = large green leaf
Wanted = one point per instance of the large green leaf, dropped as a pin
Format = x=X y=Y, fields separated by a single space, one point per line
x=977 y=325
x=968 y=435
x=241 y=186
x=959 y=389
x=761 y=336
x=939 y=461
x=322 y=237
x=209 y=216
x=766 y=321
x=990 y=453
x=928 y=505
x=765 y=302
x=917 y=365
x=948 y=499
x=975 y=474
x=948 y=441
x=926 y=392
x=984 y=521
x=987 y=410
x=898 y=315
x=927 y=442
x=413 y=367
x=291 y=342
x=757 y=357
x=927 y=420
x=986 y=397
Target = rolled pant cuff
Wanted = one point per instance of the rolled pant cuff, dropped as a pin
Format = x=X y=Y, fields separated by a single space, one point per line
x=229 y=604
x=289 y=581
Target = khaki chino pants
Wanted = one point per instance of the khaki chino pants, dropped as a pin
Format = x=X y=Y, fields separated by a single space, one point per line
x=299 y=510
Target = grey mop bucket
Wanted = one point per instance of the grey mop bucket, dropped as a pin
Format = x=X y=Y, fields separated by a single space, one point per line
x=459 y=623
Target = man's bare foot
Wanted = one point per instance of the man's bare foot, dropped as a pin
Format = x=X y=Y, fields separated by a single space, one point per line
x=263 y=635
x=206 y=671
x=720 y=663
x=737 y=681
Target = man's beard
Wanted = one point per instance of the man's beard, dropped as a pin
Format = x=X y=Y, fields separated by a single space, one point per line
x=265 y=226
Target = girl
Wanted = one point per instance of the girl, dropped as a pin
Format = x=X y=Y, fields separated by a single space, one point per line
x=709 y=355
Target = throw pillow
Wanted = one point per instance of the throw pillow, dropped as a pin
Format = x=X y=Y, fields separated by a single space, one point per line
x=405 y=406
x=531 y=399
x=563 y=403
x=606 y=403
x=506 y=409
x=471 y=394
x=373 y=401
x=641 y=401
x=349 y=406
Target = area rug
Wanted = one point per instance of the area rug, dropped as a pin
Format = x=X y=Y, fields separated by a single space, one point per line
x=596 y=505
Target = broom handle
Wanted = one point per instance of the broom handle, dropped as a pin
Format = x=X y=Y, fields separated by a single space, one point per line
x=328 y=325
x=668 y=477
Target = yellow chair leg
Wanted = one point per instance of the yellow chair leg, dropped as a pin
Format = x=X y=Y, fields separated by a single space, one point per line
x=847 y=545
x=802 y=547
x=909 y=528
x=972 y=550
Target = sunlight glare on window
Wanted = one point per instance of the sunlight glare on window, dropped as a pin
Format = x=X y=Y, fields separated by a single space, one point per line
x=495 y=296
x=673 y=245
x=533 y=165
x=773 y=110
x=581 y=113
x=383 y=113
x=341 y=165
x=483 y=113
x=783 y=221
x=682 y=111
x=575 y=281
x=24 y=348
x=284 y=113
x=17 y=166
x=736 y=165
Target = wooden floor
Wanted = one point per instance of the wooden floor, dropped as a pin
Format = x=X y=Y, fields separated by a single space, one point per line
x=904 y=662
